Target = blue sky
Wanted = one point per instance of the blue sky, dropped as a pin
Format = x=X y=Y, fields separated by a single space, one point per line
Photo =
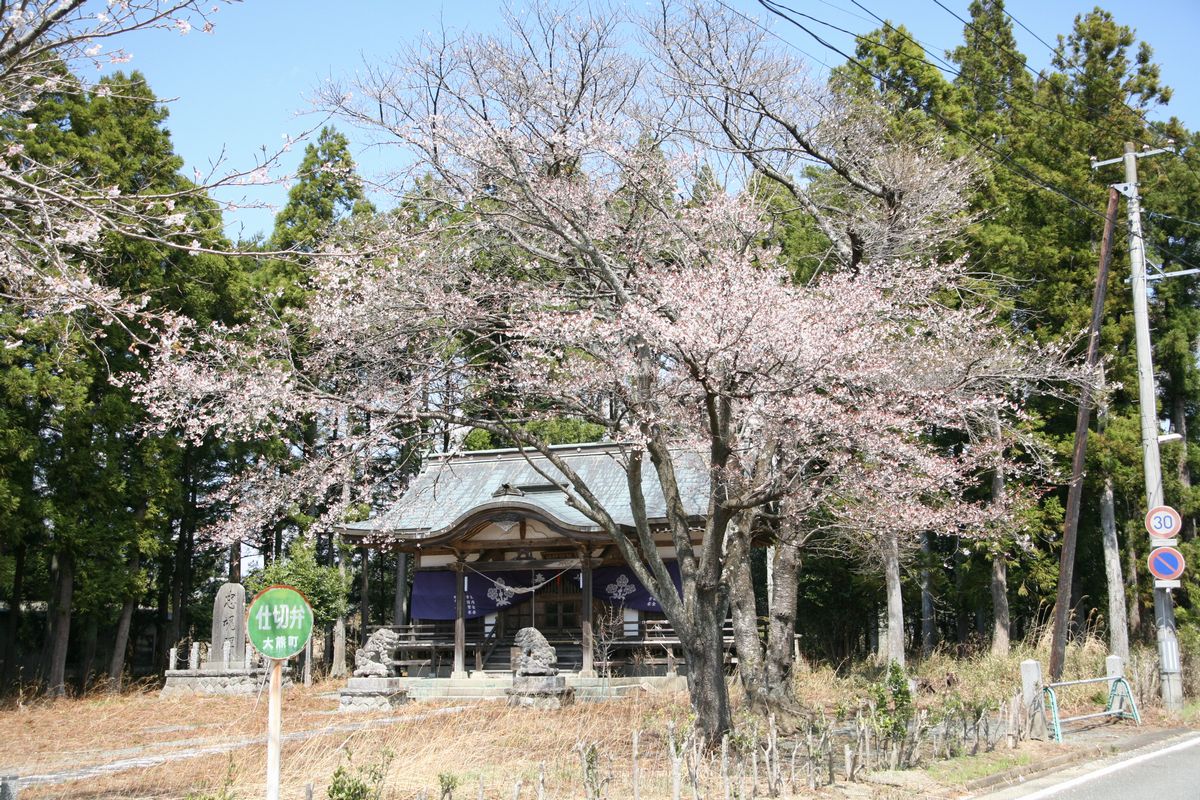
x=245 y=87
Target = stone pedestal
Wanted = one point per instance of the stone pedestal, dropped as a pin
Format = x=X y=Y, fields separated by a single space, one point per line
x=217 y=681
x=372 y=694
x=540 y=691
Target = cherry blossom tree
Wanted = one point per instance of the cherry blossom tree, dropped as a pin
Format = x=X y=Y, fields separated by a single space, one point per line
x=55 y=212
x=875 y=189
x=664 y=320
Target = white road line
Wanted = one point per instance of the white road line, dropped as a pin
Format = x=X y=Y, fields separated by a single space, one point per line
x=1111 y=768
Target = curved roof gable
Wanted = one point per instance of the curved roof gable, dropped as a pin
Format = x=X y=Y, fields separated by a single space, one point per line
x=451 y=488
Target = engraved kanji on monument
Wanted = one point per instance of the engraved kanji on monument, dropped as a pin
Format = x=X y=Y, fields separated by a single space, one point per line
x=229 y=627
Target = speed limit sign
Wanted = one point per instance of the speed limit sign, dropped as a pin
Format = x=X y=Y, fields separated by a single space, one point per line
x=1163 y=522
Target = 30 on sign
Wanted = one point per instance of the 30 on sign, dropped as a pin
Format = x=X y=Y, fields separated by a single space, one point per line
x=1163 y=522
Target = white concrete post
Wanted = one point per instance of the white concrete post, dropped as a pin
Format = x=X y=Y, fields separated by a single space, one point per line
x=172 y=657
x=194 y=656
x=1031 y=698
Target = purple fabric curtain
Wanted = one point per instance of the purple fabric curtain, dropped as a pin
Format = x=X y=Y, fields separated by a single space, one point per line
x=620 y=587
x=433 y=593
x=489 y=593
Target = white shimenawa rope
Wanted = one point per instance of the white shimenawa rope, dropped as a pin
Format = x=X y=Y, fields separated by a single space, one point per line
x=518 y=589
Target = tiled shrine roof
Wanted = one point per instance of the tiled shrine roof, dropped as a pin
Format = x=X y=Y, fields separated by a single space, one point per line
x=509 y=484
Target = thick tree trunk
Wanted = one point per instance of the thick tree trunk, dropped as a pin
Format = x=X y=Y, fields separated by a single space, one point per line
x=894 y=650
x=1135 y=607
x=64 y=589
x=181 y=581
x=704 y=651
x=11 y=647
x=87 y=661
x=962 y=625
x=116 y=665
x=235 y=562
x=1179 y=423
x=1001 y=625
x=928 y=612
x=745 y=621
x=782 y=626
x=162 y=623
x=1000 y=618
x=1118 y=634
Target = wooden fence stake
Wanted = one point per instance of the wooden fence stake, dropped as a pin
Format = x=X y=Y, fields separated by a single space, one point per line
x=637 y=791
x=724 y=765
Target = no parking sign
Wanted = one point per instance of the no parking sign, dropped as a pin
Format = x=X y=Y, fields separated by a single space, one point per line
x=1166 y=563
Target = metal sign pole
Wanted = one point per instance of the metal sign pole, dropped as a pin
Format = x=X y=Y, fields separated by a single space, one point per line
x=274 y=726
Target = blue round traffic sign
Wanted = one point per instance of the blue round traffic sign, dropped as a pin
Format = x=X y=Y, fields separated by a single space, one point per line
x=1166 y=563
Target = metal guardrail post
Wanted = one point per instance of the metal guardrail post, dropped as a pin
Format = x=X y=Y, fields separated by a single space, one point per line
x=1056 y=724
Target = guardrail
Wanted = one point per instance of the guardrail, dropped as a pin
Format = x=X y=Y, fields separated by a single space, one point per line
x=1035 y=696
x=1120 y=705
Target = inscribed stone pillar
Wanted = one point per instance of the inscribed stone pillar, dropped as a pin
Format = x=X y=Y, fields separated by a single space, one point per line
x=229 y=624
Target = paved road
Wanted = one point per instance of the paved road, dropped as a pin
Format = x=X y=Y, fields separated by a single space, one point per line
x=1170 y=771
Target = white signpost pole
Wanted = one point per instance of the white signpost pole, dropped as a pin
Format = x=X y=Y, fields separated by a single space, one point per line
x=274 y=728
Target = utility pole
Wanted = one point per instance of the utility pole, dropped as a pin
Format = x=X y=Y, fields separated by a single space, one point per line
x=1164 y=607
x=1066 y=561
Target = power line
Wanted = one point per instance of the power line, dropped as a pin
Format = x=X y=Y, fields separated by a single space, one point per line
x=1140 y=114
x=1006 y=159
x=1012 y=98
x=770 y=32
x=1172 y=217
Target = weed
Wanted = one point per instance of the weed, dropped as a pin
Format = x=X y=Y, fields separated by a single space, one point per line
x=447 y=783
x=359 y=783
x=225 y=792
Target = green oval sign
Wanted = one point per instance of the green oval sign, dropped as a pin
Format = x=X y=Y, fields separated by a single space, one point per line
x=279 y=622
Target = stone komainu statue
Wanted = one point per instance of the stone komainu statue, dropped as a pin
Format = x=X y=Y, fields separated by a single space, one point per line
x=537 y=656
x=374 y=660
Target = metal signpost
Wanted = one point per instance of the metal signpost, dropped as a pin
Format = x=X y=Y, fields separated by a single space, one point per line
x=279 y=623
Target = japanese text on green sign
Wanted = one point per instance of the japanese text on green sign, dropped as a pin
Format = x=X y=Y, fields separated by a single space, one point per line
x=279 y=622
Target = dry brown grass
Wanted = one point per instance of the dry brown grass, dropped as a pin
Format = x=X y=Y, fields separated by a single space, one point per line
x=487 y=741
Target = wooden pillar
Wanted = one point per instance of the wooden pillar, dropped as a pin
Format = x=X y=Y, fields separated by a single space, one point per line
x=460 y=622
x=587 y=670
x=400 y=606
x=364 y=588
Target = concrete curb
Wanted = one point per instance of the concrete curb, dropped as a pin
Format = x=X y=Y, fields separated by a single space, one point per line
x=1022 y=774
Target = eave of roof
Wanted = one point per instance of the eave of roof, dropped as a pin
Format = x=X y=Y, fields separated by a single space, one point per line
x=445 y=495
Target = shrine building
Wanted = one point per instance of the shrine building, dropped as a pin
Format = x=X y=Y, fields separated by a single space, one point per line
x=497 y=546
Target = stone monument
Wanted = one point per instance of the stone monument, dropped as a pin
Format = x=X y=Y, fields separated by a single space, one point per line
x=373 y=687
x=228 y=627
x=536 y=682
x=226 y=670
